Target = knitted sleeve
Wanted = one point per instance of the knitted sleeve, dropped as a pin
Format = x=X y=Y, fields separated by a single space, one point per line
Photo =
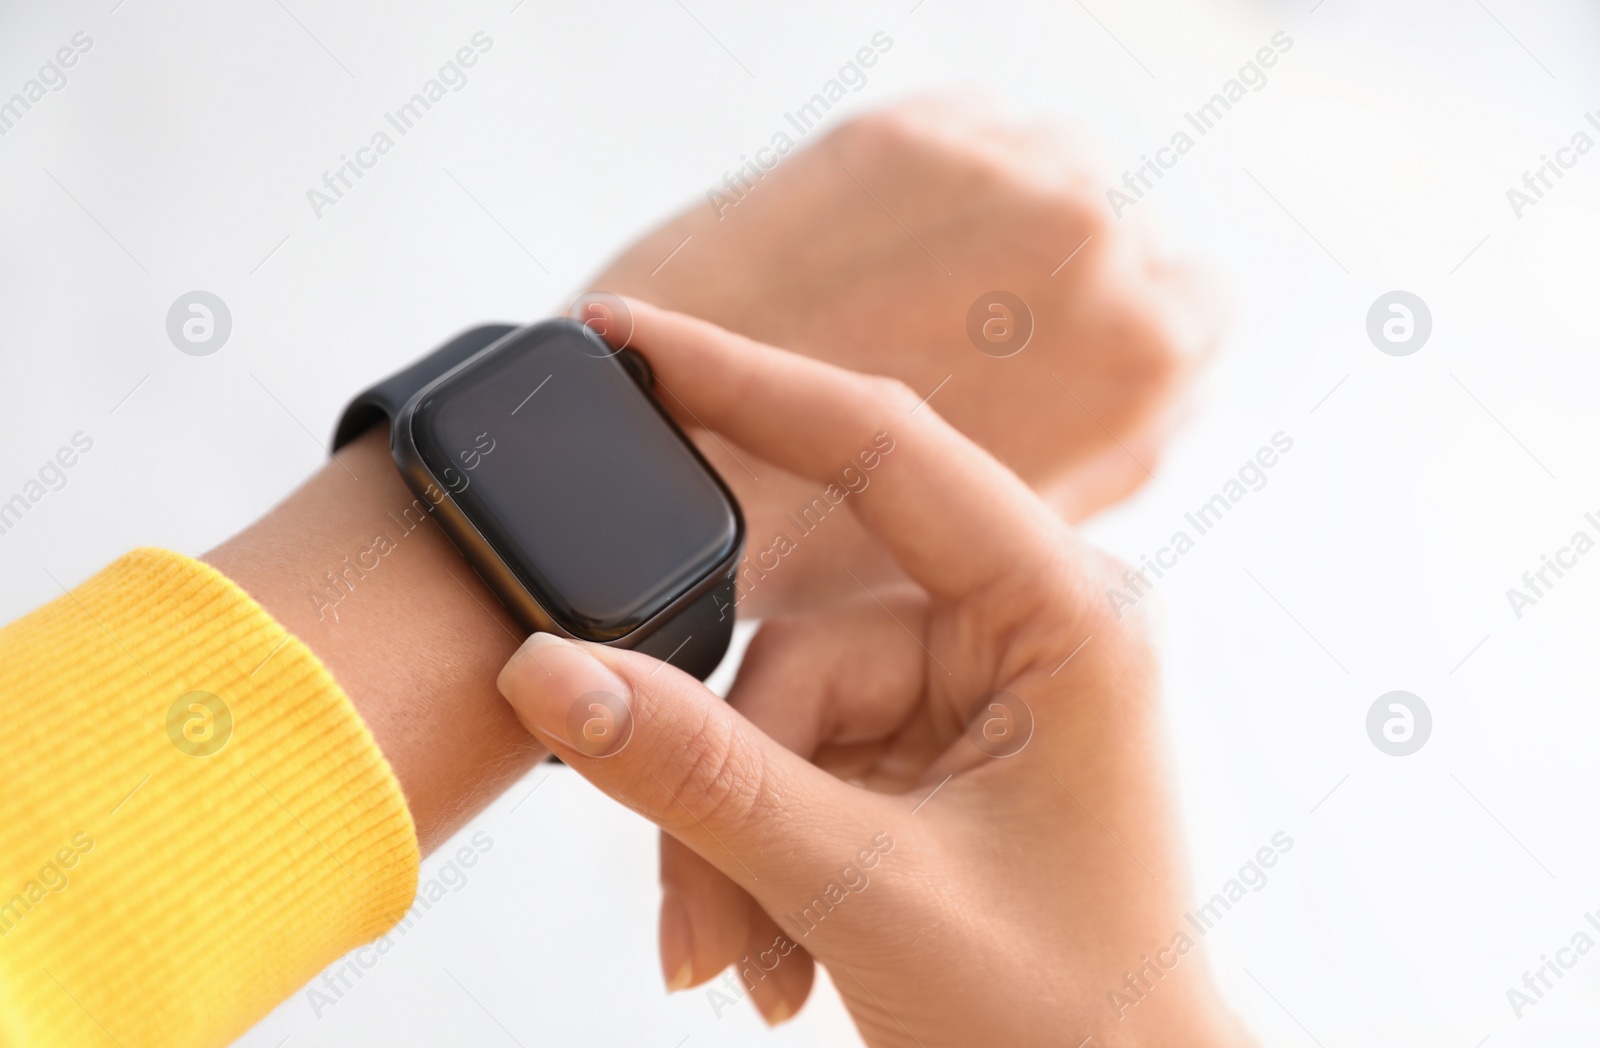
x=194 y=819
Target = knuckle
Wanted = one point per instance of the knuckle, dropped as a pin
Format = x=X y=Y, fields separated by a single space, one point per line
x=780 y=637
x=1158 y=328
x=1043 y=614
x=1150 y=353
x=716 y=778
x=892 y=393
x=1107 y=610
x=880 y=132
x=1156 y=357
x=1080 y=216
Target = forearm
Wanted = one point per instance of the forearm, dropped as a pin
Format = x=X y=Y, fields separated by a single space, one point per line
x=351 y=566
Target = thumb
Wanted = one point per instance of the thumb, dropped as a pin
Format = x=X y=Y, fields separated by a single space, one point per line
x=661 y=743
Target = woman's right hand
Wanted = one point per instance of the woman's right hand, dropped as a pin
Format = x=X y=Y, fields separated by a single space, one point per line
x=1006 y=856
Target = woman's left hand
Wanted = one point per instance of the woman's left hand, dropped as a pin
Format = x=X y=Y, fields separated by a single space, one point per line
x=877 y=249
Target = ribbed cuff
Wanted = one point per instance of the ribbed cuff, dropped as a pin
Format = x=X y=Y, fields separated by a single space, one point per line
x=196 y=821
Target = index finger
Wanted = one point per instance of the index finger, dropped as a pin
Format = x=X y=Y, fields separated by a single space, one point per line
x=953 y=517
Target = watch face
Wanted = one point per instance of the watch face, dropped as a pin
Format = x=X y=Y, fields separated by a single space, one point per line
x=589 y=493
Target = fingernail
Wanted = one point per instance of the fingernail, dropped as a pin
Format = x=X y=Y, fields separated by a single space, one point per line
x=568 y=697
x=677 y=942
x=780 y=1013
x=606 y=314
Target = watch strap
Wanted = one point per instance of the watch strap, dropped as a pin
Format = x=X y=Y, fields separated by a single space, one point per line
x=383 y=401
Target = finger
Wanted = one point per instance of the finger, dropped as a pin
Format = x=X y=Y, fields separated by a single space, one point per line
x=658 y=741
x=1195 y=302
x=775 y=970
x=852 y=691
x=853 y=679
x=709 y=925
x=705 y=918
x=850 y=679
x=813 y=572
x=952 y=517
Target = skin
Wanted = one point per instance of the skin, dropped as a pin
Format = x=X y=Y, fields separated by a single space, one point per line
x=868 y=250
x=416 y=643
x=1016 y=876
x=418 y=640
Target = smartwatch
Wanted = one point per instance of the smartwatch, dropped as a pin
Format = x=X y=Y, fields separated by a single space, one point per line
x=543 y=454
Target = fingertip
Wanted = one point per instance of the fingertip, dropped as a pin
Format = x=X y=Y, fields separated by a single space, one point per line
x=566 y=696
x=790 y=989
x=677 y=942
x=778 y=1013
x=607 y=314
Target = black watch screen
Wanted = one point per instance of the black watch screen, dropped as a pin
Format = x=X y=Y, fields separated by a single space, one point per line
x=583 y=485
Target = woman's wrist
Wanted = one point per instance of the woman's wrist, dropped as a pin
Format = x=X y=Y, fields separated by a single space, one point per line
x=353 y=565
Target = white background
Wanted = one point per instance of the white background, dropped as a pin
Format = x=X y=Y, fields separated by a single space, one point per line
x=1377 y=157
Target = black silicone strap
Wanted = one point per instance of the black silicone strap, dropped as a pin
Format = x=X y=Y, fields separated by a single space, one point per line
x=695 y=639
x=384 y=401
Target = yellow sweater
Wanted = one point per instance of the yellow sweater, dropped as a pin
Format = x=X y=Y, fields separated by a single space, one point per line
x=195 y=820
